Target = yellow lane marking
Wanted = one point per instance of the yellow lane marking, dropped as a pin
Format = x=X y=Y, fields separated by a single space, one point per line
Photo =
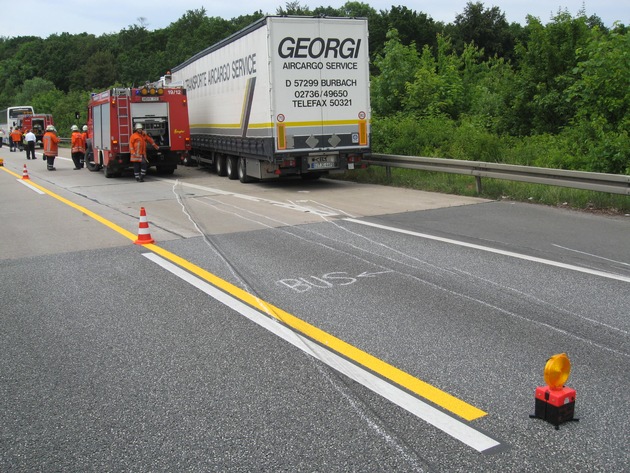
x=81 y=209
x=376 y=365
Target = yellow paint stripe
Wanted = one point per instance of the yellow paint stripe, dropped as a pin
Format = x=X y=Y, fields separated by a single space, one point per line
x=270 y=125
x=81 y=209
x=380 y=367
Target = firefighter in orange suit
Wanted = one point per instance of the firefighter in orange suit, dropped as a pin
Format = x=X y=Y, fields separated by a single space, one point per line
x=89 y=154
x=138 y=149
x=51 y=146
x=78 y=148
x=16 y=139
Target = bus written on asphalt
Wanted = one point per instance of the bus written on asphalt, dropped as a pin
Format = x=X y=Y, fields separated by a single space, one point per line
x=286 y=96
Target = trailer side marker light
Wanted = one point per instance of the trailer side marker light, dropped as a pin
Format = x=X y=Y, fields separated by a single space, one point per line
x=363 y=141
x=282 y=136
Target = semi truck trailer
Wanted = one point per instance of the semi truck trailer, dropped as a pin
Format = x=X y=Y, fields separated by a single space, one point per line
x=286 y=96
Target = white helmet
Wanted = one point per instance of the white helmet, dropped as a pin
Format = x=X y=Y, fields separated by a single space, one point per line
x=50 y=128
x=139 y=126
x=74 y=128
x=85 y=128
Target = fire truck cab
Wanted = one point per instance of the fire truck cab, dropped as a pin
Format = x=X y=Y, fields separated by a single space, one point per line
x=36 y=122
x=113 y=114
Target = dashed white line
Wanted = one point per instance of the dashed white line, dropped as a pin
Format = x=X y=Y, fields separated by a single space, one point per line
x=488 y=249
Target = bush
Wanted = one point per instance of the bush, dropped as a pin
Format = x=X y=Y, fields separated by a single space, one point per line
x=411 y=136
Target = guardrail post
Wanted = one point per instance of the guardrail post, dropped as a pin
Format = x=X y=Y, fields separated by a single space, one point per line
x=478 y=182
x=388 y=172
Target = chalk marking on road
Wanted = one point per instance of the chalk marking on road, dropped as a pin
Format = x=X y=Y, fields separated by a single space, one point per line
x=289 y=206
x=488 y=249
x=33 y=188
x=326 y=352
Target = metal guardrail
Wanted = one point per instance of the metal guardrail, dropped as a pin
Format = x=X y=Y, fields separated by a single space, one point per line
x=593 y=181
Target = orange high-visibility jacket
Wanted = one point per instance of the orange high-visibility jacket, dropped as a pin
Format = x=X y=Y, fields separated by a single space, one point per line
x=51 y=144
x=16 y=136
x=78 y=143
x=138 y=146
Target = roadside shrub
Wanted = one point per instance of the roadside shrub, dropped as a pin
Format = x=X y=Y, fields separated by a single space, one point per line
x=472 y=142
x=411 y=136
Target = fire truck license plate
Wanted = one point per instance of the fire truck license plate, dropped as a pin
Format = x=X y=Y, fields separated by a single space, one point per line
x=322 y=162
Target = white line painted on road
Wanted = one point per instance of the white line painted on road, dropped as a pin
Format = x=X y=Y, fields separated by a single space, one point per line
x=488 y=249
x=33 y=188
x=590 y=254
x=457 y=429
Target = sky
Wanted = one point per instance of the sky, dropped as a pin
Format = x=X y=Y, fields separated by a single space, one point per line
x=45 y=17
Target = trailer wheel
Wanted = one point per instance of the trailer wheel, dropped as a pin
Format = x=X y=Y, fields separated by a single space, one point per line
x=165 y=170
x=221 y=166
x=311 y=176
x=242 y=171
x=232 y=167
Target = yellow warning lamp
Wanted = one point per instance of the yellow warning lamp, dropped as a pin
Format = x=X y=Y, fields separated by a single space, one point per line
x=557 y=370
x=555 y=402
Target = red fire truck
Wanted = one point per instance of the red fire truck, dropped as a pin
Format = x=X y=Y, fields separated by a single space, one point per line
x=162 y=108
x=36 y=122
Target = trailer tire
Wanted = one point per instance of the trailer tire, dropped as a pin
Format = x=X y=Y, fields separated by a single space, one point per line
x=165 y=170
x=221 y=166
x=232 y=167
x=242 y=171
x=311 y=176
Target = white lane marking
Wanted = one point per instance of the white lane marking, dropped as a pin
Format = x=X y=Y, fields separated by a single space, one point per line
x=449 y=425
x=590 y=254
x=27 y=184
x=534 y=259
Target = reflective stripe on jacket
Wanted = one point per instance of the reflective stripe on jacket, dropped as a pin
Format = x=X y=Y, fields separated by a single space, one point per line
x=78 y=143
x=138 y=146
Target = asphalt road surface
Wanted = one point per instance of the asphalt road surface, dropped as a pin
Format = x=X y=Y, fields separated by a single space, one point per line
x=302 y=326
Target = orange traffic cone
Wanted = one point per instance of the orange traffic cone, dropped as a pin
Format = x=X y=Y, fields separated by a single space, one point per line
x=25 y=173
x=144 y=237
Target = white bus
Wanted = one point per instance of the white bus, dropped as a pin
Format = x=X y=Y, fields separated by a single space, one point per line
x=9 y=118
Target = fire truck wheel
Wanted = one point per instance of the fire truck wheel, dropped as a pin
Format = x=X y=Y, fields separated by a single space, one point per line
x=109 y=172
x=221 y=166
x=92 y=166
x=232 y=167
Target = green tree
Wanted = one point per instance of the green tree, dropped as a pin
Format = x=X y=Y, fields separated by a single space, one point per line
x=294 y=8
x=601 y=97
x=397 y=68
x=601 y=91
x=31 y=89
x=546 y=62
x=486 y=28
x=412 y=27
x=437 y=88
x=46 y=102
